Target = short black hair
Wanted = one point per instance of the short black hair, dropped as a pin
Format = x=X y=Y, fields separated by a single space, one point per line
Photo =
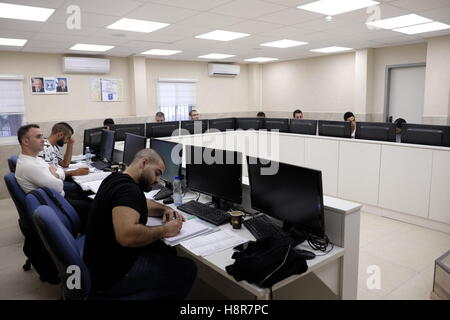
x=295 y=112
x=190 y=112
x=159 y=114
x=108 y=121
x=347 y=115
x=23 y=130
x=399 y=122
x=261 y=114
x=62 y=127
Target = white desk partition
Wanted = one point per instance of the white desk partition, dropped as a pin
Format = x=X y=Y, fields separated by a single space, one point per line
x=402 y=181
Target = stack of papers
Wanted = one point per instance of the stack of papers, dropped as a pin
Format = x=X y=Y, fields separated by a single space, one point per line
x=212 y=243
x=191 y=228
x=95 y=176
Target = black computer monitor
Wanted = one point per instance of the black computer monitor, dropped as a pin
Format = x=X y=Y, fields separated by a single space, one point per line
x=276 y=124
x=431 y=135
x=171 y=152
x=222 y=124
x=249 y=123
x=291 y=194
x=133 y=144
x=340 y=129
x=161 y=129
x=381 y=131
x=134 y=128
x=92 y=139
x=302 y=126
x=107 y=145
x=194 y=126
x=215 y=172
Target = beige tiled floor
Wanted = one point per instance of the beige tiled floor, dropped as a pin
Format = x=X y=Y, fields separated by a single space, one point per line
x=403 y=253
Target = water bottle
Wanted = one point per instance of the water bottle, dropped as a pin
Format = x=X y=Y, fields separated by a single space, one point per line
x=177 y=192
x=88 y=155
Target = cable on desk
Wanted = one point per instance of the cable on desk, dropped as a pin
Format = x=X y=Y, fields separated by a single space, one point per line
x=319 y=243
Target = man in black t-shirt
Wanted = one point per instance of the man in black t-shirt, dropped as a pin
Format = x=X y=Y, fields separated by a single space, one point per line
x=124 y=256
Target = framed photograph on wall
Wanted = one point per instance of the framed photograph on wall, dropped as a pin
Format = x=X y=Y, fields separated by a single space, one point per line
x=49 y=85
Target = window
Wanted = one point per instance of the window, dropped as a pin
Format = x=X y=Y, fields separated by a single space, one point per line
x=11 y=105
x=176 y=98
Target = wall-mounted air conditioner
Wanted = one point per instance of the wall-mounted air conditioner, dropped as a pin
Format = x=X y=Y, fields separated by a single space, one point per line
x=218 y=69
x=85 y=65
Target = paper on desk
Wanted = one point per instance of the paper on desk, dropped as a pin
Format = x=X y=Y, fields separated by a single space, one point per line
x=149 y=195
x=191 y=228
x=93 y=185
x=205 y=245
x=78 y=157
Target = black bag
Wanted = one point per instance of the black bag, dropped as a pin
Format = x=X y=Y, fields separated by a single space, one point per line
x=266 y=262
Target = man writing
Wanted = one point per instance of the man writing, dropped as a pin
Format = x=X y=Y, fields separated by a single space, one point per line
x=125 y=256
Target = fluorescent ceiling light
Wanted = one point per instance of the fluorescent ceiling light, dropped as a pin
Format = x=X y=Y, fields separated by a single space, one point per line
x=90 y=47
x=333 y=7
x=398 y=22
x=331 y=49
x=15 y=11
x=137 y=25
x=216 y=56
x=261 y=59
x=159 y=52
x=222 y=35
x=285 y=43
x=12 y=42
x=421 y=28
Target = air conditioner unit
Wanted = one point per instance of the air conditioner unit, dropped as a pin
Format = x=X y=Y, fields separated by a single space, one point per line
x=218 y=69
x=85 y=65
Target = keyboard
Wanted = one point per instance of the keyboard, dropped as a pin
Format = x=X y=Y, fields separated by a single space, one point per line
x=205 y=212
x=100 y=165
x=262 y=227
x=163 y=193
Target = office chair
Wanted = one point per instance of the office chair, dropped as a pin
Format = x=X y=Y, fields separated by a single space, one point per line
x=18 y=196
x=65 y=253
x=12 y=161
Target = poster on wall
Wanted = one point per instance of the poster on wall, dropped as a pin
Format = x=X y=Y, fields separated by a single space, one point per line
x=49 y=85
x=106 y=89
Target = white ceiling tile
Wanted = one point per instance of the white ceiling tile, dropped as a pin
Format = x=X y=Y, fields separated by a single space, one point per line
x=211 y=21
x=49 y=44
x=88 y=19
x=183 y=30
x=290 y=16
x=20 y=25
x=160 y=13
x=247 y=9
x=287 y=33
x=440 y=14
x=420 y=5
x=322 y=24
x=289 y=3
x=253 y=27
x=200 y=5
x=60 y=28
x=42 y=50
x=52 y=4
x=106 y=7
x=371 y=14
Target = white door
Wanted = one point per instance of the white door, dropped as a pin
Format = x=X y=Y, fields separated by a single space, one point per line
x=406 y=97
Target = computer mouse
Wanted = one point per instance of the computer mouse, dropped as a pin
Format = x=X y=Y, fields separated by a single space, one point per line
x=305 y=254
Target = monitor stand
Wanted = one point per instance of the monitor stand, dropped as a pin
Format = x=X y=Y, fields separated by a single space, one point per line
x=221 y=204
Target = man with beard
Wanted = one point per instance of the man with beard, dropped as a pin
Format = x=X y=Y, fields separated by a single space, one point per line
x=124 y=256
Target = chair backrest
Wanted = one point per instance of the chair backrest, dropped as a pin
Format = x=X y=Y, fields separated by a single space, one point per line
x=68 y=216
x=63 y=249
x=18 y=196
x=12 y=161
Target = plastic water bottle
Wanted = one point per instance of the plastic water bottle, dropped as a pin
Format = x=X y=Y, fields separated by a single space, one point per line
x=177 y=192
x=88 y=155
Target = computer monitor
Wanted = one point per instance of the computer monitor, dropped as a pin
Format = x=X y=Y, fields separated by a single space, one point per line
x=161 y=129
x=222 y=124
x=92 y=139
x=194 y=126
x=302 y=126
x=215 y=172
x=274 y=124
x=133 y=144
x=291 y=194
x=340 y=129
x=107 y=145
x=375 y=131
x=134 y=128
x=171 y=153
x=249 y=123
x=431 y=135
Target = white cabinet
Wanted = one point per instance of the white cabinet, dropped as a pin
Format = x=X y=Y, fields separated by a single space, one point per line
x=440 y=189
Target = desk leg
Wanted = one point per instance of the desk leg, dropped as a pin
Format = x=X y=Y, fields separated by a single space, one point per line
x=350 y=261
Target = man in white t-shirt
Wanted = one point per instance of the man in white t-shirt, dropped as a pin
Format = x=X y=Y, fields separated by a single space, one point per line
x=33 y=172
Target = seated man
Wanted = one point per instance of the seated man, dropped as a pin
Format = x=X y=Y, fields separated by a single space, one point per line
x=123 y=255
x=261 y=114
x=349 y=116
x=159 y=117
x=194 y=115
x=398 y=129
x=297 y=114
x=107 y=123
